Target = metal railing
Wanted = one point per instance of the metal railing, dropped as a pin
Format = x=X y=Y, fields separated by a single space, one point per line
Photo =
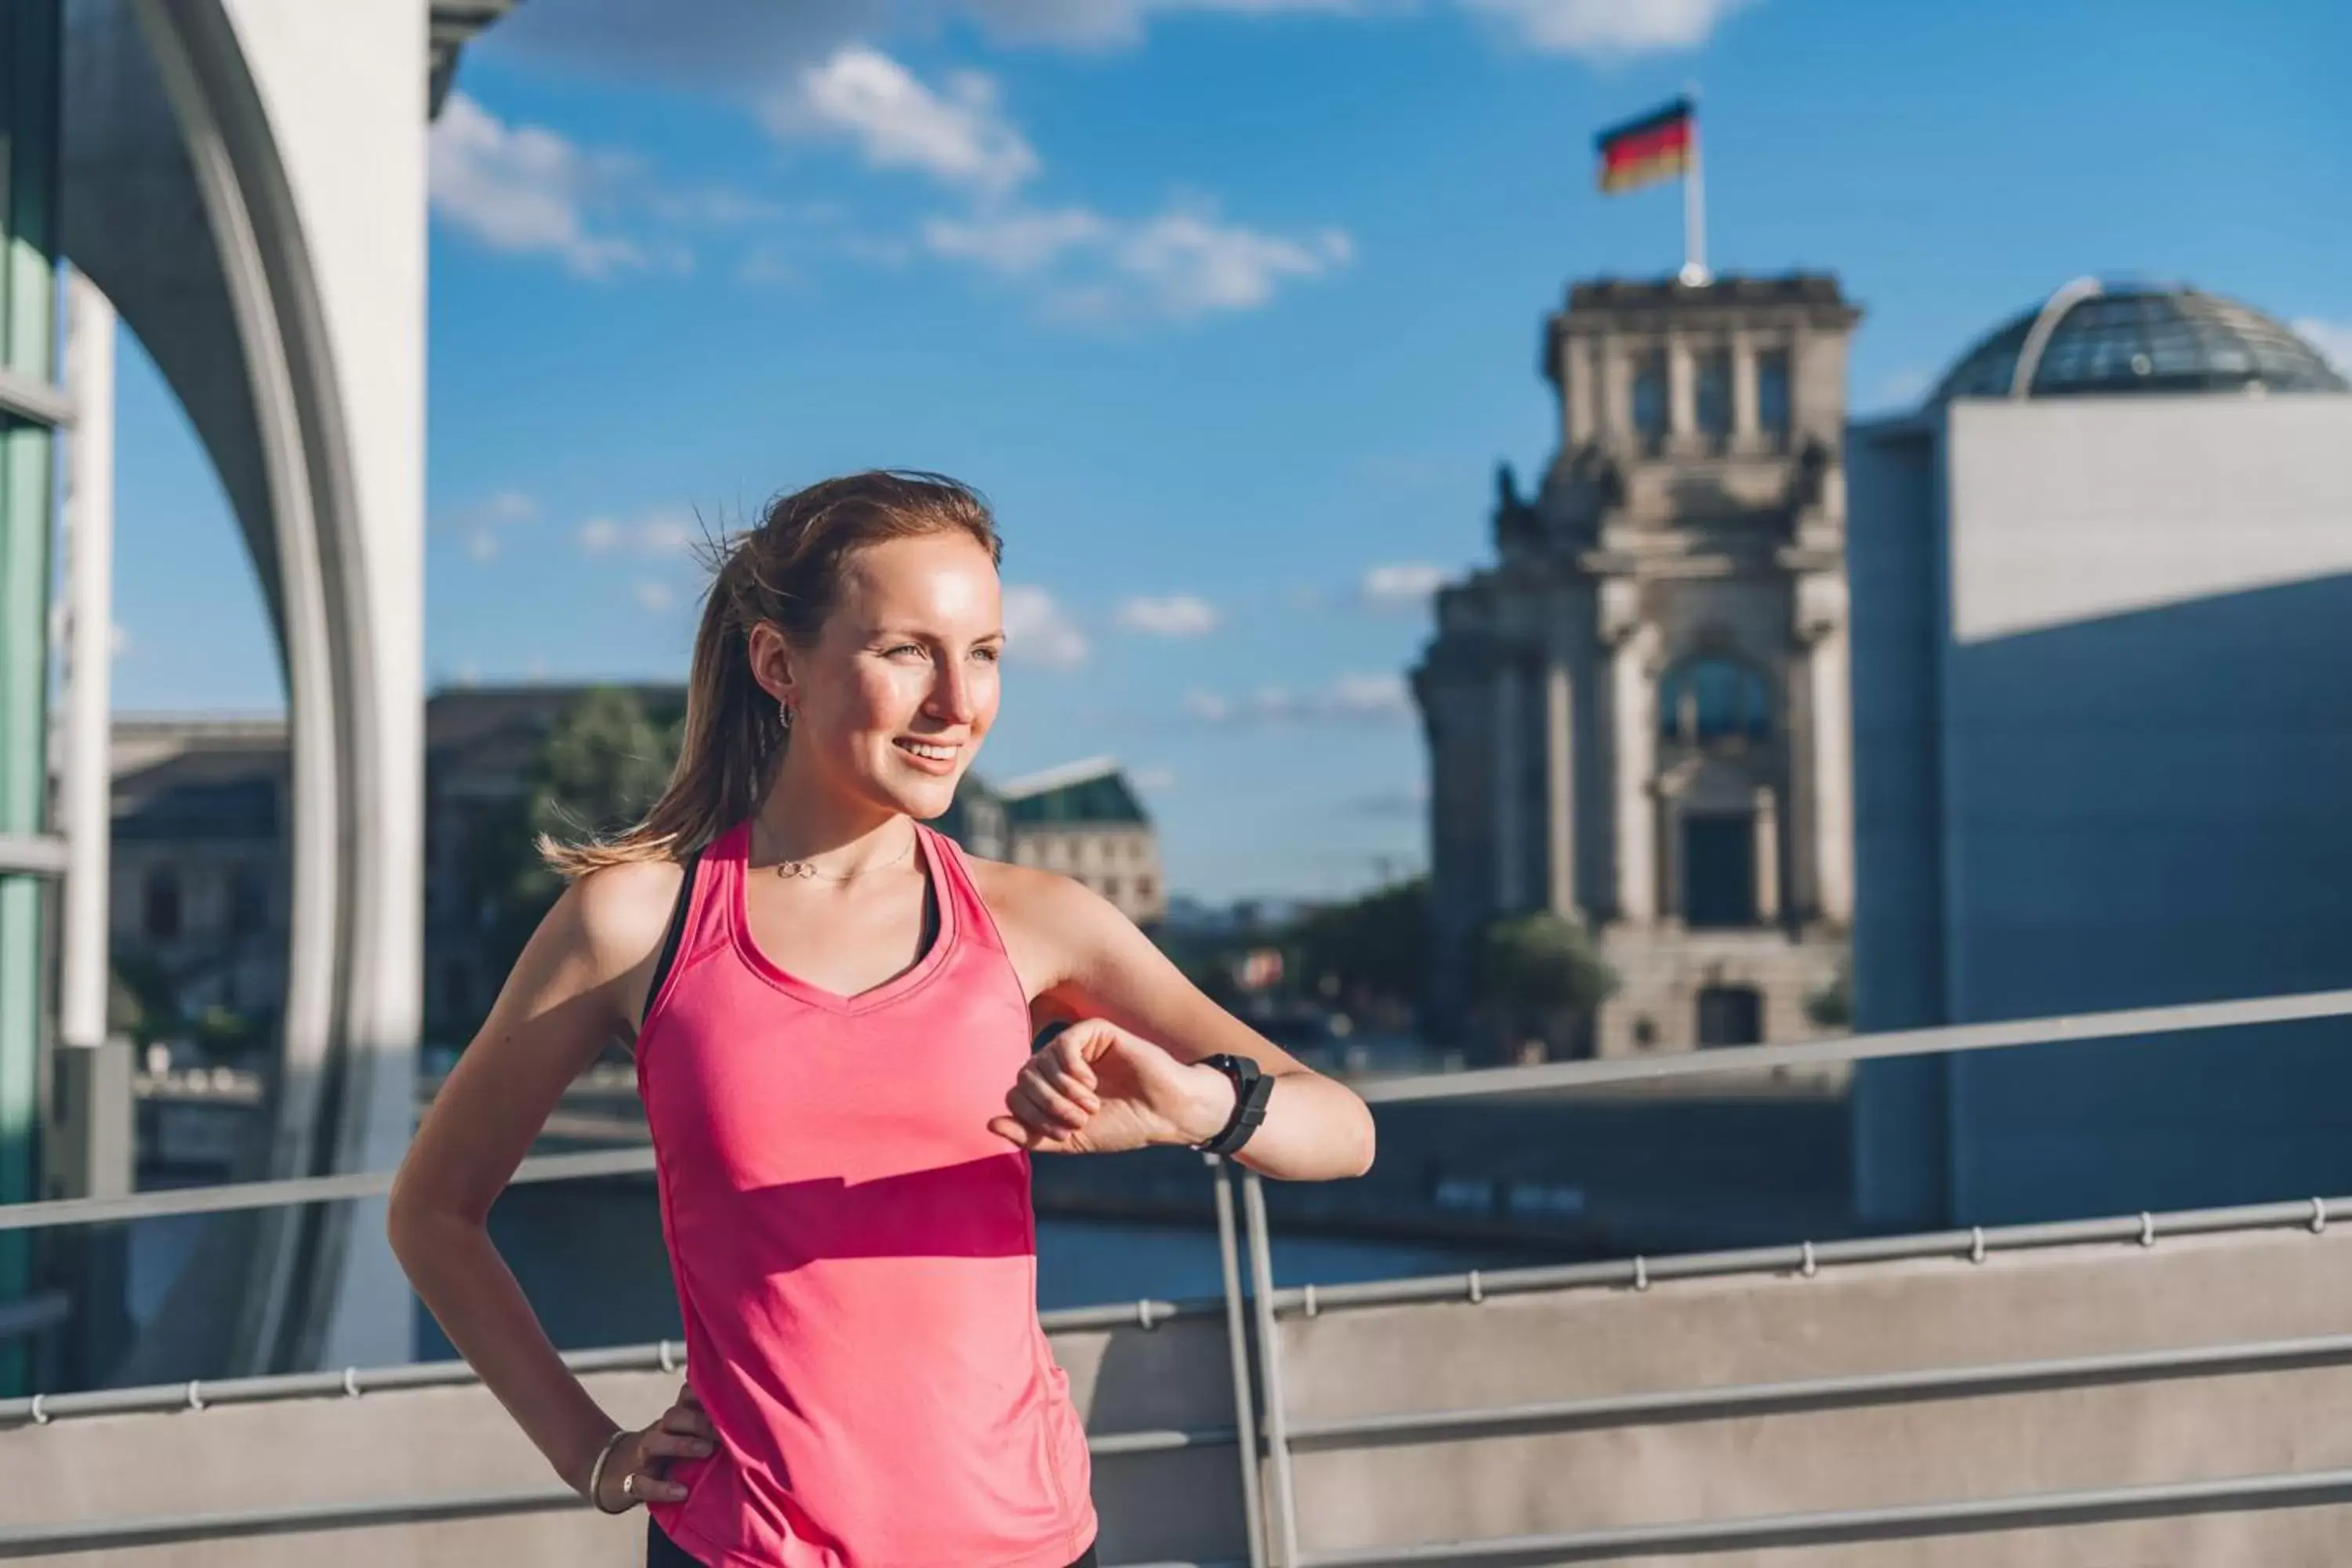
x=1252 y=1312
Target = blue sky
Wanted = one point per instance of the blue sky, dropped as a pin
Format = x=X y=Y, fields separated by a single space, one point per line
x=1230 y=306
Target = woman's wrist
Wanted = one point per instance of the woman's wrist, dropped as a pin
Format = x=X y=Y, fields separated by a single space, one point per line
x=600 y=1467
x=1208 y=1105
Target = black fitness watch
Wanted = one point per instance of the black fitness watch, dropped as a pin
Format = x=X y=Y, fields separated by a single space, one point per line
x=1251 y=1089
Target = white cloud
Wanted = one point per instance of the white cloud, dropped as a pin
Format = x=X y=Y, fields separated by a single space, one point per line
x=528 y=190
x=1016 y=242
x=1152 y=781
x=1185 y=262
x=1174 y=616
x=1383 y=696
x=770 y=263
x=958 y=137
x=501 y=508
x=2333 y=339
x=655 y=596
x=1362 y=699
x=747 y=46
x=1088 y=23
x=662 y=531
x=1208 y=707
x=1191 y=264
x=1038 y=631
x=1608 y=28
x=1402 y=585
x=482 y=522
x=523 y=188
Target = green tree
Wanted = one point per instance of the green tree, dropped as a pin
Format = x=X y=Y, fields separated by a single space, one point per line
x=1538 y=977
x=142 y=1000
x=603 y=761
x=1372 y=951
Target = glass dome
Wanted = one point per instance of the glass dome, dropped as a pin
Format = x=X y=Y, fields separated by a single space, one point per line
x=2108 y=338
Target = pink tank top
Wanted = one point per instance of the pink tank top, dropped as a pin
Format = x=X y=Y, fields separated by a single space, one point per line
x=854 y=1252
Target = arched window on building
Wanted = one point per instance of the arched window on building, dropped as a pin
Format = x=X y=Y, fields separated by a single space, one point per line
x=1707 y=701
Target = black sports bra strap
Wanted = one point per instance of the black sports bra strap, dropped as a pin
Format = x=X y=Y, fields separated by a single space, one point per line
x=671 y=938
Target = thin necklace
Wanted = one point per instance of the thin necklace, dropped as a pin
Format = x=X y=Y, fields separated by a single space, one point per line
x=803 y=868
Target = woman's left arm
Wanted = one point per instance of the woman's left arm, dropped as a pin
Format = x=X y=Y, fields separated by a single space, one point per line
x=1097 y=968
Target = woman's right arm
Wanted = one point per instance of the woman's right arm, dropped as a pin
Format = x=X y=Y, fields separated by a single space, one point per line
x=579 y=984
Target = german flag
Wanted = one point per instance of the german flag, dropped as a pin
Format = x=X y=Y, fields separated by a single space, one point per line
x=1658 y=146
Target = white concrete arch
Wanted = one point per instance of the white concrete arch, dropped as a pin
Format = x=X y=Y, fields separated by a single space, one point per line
x=245 y=179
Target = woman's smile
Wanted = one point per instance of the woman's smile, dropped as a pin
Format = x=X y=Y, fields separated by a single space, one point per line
x=929 y=755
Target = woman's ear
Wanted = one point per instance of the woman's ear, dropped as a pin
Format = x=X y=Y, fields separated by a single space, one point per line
x=773 y=663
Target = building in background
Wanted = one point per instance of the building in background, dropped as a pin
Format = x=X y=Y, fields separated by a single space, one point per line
x=1638 y=717
x=1084 y=820
x=198 y=901
x=2102 y=616
x=242 y=183
x=481 y=746
x=201 y=867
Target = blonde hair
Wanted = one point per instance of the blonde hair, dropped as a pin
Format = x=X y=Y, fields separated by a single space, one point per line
x=786 y=571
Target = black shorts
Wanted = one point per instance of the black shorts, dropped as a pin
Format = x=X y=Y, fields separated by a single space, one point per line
x=661 y=1551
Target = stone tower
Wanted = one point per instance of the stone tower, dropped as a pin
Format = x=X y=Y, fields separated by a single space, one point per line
x=1638 y=717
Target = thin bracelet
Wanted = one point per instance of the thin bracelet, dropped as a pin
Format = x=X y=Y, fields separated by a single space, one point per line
x=596 y=1475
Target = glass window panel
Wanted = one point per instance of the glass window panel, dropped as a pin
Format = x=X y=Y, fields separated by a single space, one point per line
x=1707 y=701
x=1773 y=391
x=1714 y=402
x=1650 y=395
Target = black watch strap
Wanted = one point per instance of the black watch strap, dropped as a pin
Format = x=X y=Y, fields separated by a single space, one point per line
x=1251 y=1089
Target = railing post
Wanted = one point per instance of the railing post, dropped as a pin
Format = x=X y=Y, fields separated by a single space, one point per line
x=1237 y=1343
x=1269 y=1363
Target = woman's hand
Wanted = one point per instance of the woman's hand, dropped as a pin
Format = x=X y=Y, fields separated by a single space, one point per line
x=1094 y=1088
x=635 y=1472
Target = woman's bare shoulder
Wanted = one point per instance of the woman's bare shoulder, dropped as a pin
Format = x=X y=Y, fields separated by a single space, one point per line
x=622 y=912
x=1030 y=894
x=1055 y=927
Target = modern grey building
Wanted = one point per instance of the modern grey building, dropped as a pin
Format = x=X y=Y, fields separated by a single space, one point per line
x=2102 y=586
x=1637 y=716
x=244 y=182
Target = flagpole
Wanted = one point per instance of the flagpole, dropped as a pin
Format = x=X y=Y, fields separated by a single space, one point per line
x=1695 y=273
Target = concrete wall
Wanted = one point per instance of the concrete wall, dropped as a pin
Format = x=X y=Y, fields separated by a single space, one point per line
x=1457 y=1354
x=2120 y=782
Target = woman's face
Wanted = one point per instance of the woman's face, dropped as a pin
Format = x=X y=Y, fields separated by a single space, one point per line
x=893 y=701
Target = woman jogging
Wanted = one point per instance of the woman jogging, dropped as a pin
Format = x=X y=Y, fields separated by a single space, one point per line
x=832 y=1008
